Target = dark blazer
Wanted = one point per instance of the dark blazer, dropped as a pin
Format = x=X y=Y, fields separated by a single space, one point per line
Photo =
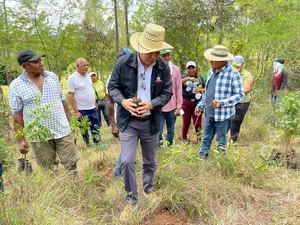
x=123 y=85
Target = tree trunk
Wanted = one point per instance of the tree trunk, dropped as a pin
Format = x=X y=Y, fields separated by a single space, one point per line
x=116 y=26
x=126 y=22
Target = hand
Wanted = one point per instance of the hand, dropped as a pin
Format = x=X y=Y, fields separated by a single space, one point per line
x=144 y=107
x=216 y=104
x=23 y=146
x=130 y=106
x=78 y=114
x=177 y=112
x=115 y=131
x=192 y=79
x=197 y=112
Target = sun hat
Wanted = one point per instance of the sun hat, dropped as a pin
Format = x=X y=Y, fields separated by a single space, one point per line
x=150 y=40
x=218 y=53
x=238 y=60
x=190 y=63
x=165 y=51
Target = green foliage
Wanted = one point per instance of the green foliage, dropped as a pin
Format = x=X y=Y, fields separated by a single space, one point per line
x=4 y=119
x=289 y=114
x=5 y=153
x=82 y=125
x=35 y=130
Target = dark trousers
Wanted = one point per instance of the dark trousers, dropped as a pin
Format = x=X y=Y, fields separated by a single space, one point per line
x=1 y=181
x=169 y=117
x=103 y=108
x=138 y=130
x=0 y=169
x=240 y=112
x=93 y=117
x=188 y=107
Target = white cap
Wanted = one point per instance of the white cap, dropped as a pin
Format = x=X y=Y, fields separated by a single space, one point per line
x=190 y=63
x=238 y=60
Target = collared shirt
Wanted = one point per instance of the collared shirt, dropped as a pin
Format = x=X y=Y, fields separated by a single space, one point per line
x=100 y=89
x=144 y=81
x=228 y=90
x=22 y=95
x=176 y=99
x=84 y=94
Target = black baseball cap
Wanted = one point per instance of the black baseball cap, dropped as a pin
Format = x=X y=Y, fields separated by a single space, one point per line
x=28 y=55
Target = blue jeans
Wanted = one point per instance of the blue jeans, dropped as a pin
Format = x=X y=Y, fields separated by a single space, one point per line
x=93 y=117
x=118 y=168
x=170 y=121
x=211 y=127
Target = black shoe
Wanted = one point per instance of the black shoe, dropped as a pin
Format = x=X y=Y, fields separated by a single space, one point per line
x=131 y=200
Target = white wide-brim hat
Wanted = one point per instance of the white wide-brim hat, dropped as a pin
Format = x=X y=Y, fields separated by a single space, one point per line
x=150 y=40
x=218 y=53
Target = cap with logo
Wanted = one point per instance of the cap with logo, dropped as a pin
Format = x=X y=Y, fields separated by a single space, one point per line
x=165 y=51
x=190 y=63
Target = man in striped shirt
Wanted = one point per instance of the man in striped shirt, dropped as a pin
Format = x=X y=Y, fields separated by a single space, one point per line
x=223 y=90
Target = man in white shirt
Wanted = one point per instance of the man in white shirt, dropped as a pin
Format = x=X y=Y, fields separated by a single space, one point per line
x=82 y=98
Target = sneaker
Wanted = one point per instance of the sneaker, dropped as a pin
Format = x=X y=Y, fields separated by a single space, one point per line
x=130 y=199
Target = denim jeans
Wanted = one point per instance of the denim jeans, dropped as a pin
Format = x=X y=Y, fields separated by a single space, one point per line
x=118 y=169
x=93 y=117
x=211 y=127
x=170 y=121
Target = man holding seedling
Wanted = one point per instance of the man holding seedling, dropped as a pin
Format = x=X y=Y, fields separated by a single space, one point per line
x=36 y=83
x=141 y=85
x=223 y=90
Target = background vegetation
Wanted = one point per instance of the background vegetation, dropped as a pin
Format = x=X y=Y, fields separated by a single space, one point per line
x=243 y=188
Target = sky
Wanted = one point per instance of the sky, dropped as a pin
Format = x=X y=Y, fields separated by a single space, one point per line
x=52 y=8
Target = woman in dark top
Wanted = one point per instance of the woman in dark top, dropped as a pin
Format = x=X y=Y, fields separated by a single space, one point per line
x=192 y=87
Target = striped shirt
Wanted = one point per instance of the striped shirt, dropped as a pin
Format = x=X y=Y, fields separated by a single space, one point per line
x=228 y=90
x=22 y=95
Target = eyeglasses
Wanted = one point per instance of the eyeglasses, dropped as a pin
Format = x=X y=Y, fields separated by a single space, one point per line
x=143 y=83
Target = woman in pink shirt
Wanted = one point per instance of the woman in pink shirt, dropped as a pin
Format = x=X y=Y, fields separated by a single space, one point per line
x=172 y=108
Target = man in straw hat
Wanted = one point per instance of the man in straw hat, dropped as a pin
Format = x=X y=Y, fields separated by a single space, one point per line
x=223 y=90
x=141 y=85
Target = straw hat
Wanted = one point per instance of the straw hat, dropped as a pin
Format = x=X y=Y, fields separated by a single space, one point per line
x=150 y=40
x=218 y=53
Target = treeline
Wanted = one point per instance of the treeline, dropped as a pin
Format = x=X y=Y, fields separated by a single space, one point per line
x=258 y=30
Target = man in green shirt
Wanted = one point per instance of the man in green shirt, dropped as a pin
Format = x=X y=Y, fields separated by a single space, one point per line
x=100 y=93
x=241 y=107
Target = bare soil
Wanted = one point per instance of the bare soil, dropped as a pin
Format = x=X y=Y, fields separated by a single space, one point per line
x=164 y=217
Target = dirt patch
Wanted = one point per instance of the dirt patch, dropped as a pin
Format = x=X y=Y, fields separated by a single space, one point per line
x=164 y=217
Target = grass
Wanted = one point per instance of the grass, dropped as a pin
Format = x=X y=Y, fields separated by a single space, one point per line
x=241 y=188
x=5 y=90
